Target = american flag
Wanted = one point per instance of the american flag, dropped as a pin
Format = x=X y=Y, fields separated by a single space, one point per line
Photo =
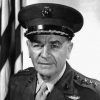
x=10 y=42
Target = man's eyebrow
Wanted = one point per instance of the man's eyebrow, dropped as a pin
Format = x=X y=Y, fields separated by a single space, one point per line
x=36 y=41
x=56 y=41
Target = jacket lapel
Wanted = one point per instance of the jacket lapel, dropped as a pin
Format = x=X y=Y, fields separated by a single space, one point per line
x=64 y=87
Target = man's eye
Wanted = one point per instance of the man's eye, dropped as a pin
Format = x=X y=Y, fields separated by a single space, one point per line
x=55 y=46
x=37 y=45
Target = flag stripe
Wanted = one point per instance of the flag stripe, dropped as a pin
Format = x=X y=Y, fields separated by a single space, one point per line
x=0 y=26
x=18 y=52
x=4 y=78
x=6 y=41
x=18 y=57
x=7 y=27
x=11 y=50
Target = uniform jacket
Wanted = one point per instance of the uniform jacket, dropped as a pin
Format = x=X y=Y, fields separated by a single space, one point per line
x=71 y=86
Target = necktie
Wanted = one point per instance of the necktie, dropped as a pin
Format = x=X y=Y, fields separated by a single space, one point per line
x=42 y=94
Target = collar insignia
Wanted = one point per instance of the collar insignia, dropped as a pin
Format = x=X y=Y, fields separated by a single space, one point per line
x=74 y=97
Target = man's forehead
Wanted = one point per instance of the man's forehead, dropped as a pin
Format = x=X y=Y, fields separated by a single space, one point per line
x=48 y=38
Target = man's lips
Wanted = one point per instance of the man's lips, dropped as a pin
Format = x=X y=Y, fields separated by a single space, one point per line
x=42 y=63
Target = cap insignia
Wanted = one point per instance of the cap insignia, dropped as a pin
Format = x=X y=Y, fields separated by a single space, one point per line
x=47 y=12
x=74 y=97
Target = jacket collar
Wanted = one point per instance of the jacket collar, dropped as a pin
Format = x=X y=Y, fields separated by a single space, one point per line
x=66 y=82
x=64 y=88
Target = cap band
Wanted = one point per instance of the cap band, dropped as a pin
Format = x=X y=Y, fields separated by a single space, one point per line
x=51 y=29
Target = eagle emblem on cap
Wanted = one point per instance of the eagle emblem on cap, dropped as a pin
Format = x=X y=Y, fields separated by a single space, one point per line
x=74 y=97
x=47 y=11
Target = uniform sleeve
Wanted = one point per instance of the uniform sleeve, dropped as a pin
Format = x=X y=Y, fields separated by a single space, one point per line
x=13 y=90
x=18 y=84
x=98 y=96
x=98 y=89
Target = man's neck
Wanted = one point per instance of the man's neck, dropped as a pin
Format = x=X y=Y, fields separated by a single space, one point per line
x=46 y=78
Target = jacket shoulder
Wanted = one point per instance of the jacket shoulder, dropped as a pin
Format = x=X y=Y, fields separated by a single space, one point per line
x=23 y=76
x=86 y=82
x=19 y=82
x=24 y=72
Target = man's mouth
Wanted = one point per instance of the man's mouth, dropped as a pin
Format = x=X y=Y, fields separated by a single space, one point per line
x=42 y=63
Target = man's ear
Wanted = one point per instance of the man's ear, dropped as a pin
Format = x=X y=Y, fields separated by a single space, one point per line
x=69 y=49
x=28 y=45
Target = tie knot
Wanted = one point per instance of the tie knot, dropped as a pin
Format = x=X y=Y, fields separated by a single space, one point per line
x=44 y=88
x=43 y=85
x=42 y=92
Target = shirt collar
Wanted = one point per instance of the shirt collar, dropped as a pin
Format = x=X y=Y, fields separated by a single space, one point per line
x=51 y=84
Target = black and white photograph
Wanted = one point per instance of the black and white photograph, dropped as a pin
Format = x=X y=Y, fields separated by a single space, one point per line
x=49 y=49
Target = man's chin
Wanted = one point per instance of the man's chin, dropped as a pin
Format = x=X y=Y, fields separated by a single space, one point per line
x=46 y=72
x=47 y=76
x=46 y=66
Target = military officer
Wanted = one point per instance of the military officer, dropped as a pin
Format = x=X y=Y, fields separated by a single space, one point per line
x=50 y=29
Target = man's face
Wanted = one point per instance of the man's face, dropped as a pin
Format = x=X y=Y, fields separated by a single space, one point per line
x=49 y=53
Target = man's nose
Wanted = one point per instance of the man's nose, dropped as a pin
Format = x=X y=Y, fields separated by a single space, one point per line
x=45 y=52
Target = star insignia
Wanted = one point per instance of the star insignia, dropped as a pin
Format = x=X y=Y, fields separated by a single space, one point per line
x=74 y=97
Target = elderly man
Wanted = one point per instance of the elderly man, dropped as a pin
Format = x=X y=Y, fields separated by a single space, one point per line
x=50 y=29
